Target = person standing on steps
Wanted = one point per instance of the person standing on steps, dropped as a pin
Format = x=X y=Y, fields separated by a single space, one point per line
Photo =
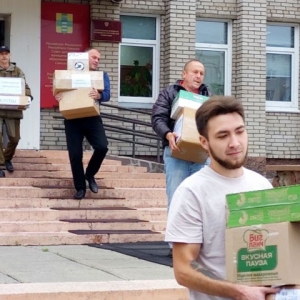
x=10 y=118
x=177 y=169
x=92 y=129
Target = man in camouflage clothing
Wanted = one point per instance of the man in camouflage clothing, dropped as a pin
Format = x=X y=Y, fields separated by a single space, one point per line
x=11 y=118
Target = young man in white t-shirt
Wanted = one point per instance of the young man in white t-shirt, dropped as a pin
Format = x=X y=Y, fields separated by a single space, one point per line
x=197 y=217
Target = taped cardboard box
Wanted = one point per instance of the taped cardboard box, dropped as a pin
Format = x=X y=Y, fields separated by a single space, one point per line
x=279 y=195
x=78 y=104
x=188 y=138
x=287 y=292
x=78 y=61
x=14 y=102
x=186 y=99
x=65 y=80
x=12 y=86
x=263 y=254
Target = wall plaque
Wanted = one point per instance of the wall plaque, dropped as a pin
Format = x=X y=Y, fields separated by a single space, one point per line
x=106 y=31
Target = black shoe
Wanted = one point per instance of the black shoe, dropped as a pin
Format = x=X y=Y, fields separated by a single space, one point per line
x=92 y=184
x=79 y=194
x=170 y=254
x=2 y=174
x=9 y=166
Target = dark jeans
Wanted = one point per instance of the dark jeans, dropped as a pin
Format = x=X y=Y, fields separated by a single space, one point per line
x=76 y=130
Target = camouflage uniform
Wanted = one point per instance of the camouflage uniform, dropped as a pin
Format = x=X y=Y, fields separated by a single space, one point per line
x=11 y=118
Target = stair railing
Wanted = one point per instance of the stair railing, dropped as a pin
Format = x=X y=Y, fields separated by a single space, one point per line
x=132 y=132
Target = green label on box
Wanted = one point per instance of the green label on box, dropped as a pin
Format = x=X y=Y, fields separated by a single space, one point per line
x=264 y=215
x=256 y=261
x=190 y=96
x=280 y=195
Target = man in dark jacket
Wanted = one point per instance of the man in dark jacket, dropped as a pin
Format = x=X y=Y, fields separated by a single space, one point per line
x=11 y=118
x=91 y=128
x=176 y=169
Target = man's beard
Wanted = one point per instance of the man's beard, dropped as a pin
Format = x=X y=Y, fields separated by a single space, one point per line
x=227 y=164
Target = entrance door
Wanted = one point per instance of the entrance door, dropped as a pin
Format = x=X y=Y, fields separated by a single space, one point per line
x=21 y=26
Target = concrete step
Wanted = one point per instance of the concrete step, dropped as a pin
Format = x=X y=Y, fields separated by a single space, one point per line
x=110 y=290
x=66 y=167
x=126 y=193
x=61 y=182
x=58 y=226
x=147 y=214
x=49 y=153
x=55 y=214
x=88 y=203
x=29 y=214
x=57 y=160
x=67 y=174
x=67 y=238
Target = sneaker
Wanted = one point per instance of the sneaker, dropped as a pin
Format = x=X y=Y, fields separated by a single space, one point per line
x=2 y=174
x=9 y=166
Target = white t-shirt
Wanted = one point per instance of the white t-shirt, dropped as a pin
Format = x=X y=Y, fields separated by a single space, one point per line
x=198 y=215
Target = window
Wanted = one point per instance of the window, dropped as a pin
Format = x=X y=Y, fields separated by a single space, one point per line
x=282 y=67
x=213 y=49
x=139 y=61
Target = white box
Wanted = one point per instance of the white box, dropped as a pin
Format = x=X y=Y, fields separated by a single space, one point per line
x=14 y=102
x=12 y=86
x=78 y=61
x=186 y=99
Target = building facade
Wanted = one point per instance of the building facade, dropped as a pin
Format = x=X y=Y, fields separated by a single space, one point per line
x=250 y=49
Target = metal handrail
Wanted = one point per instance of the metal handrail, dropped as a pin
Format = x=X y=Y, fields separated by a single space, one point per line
x=132 y=132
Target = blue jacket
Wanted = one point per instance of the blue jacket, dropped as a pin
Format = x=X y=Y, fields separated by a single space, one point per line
x=105 y=94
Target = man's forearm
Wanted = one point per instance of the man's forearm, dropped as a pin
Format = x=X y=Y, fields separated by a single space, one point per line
x=204 y=281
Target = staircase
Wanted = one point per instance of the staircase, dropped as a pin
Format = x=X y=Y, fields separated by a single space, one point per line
x=37 y=205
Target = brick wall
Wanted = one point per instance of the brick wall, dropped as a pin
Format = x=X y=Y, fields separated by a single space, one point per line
x=271 y=134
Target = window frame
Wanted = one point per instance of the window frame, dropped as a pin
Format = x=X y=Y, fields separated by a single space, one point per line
x=294 y=52
x=226 y=48
x=142 y=102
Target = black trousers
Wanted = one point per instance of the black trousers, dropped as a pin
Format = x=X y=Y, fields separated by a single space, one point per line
x=76 y=130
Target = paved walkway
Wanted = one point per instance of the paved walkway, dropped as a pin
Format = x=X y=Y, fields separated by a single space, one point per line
x=74 y=263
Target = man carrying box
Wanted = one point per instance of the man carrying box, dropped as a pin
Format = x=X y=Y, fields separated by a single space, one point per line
x=197 y=216
x=91 y=128
x=11 y=118
x=176 y=169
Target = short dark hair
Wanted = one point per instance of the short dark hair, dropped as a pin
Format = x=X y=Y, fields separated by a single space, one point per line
x=190 y=61
x=215 y=106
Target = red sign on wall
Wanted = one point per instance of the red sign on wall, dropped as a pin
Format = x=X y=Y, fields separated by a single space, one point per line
x=106 y=31
x=64 y=28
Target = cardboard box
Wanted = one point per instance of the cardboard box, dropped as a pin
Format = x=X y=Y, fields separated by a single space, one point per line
x=263 y=255
x=188 y=138
x=280 y=195
x=186 y=99
x=12 y=86
x=287 y=292
x=64 y=80
x=14 y=102
x=77 y=104
x=78 y=61
x=264 y=215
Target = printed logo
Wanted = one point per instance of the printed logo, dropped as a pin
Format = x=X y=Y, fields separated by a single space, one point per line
x=79 y=66
x=64 y=23
x=258 y=256
x=242 y=200
x=256 y=239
